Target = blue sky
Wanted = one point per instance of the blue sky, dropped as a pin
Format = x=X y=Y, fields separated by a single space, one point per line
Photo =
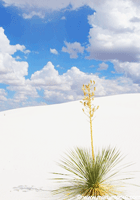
x=49 y=49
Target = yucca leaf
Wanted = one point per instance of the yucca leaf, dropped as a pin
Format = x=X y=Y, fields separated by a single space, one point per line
x=88 y=177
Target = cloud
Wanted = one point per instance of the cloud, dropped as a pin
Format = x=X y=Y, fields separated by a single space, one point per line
x=5 y=46
x=66 y=87
x=135 y=19
x=58 y=66
x=121 y=85
x=103 y=66
x=115 y=33
x=130 y=70
x=54 y=51
x=23 y=92
x=92 y=66
x=45 y=77
x=32 y=14
x=3 y=95
x=18 y=58
x=63 y=18
x=58 y=88
x=26 y=51
x=48 y=5
x=73 y=49
x=13 y=72
x=30 y=8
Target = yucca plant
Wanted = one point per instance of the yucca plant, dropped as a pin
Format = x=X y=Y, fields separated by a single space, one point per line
x=87 y=176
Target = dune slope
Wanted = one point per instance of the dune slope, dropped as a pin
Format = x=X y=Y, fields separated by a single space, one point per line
x=32 y=139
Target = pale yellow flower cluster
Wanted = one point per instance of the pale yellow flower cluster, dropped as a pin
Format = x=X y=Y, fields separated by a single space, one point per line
x=89 y=108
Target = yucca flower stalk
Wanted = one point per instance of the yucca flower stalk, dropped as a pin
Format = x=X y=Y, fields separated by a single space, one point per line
x=88 y=177
x=89 y=107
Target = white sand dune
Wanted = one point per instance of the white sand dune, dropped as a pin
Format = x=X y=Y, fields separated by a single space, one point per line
x=32 y=139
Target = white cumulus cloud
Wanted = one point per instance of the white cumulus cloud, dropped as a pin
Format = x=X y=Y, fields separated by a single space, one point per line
x=5 y=46
x=3 y=95
x=103 y=66
x=13 y=72
x=115 y=32
x=54 y=51
x=47 y=4
x=73 y=49
x=63 y=18
x=130 y=70
x=32 y=14
x=47 y=76
x=66 y=87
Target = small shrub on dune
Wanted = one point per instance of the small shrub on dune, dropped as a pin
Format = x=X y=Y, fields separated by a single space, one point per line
x=88 y=174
